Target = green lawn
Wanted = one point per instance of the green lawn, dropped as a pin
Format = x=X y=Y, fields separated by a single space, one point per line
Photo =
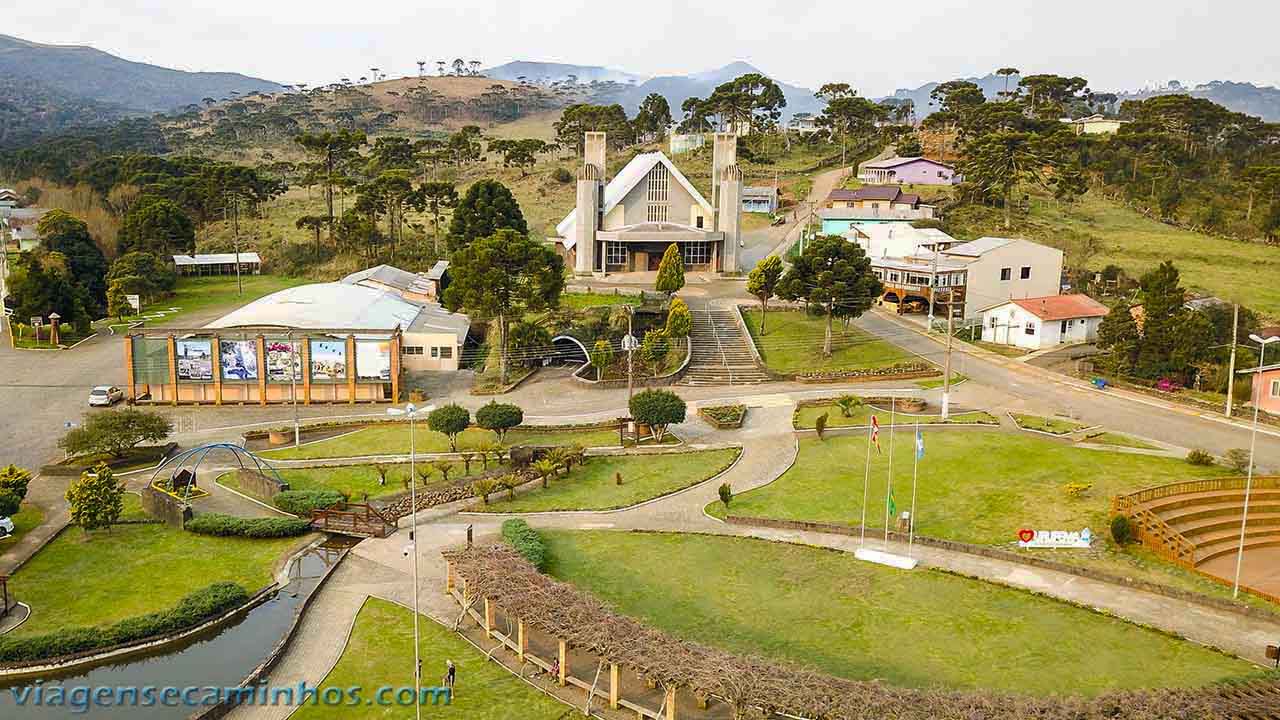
x=1005 y=350
x=806 y=417
x=978 y=486
x=581 y=301
x=356 y=480
x=380 y=654
x=29 y=516
x=1054 y=426
x=863 y=621
x=199 y=295
x=1120 y=440
x=79 y=581
x=393 y=438
x=794 y=345
x=930 y=383
x=593 y=486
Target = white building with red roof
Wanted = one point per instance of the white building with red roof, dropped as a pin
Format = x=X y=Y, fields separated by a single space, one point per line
x=1037 y=323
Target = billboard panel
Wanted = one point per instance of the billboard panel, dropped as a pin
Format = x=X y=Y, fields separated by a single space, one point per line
x=280 y=355
x=195 y=359
x=328 y=360
x=373 y=360
x=239 y=359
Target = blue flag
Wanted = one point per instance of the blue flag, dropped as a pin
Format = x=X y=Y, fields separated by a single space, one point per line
x=919 y=444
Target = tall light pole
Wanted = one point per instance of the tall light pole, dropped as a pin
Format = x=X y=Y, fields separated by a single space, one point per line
x=294 y=369
x=411 y=412
x=629 y=343
x=1253 y=445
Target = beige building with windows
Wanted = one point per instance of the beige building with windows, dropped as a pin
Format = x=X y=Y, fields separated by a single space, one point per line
x=627 y=223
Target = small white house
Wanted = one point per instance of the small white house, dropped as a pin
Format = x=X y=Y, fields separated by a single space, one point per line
x=1043 y=322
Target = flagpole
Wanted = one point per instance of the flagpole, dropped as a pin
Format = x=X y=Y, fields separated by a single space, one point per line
x=915 y=473
x=866 y=478
x=888 y=488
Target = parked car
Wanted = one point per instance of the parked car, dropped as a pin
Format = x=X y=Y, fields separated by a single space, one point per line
x=105 y=395
x=6 y=526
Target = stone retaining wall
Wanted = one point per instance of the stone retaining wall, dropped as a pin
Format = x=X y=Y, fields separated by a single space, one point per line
x=168 y=509
x=260 y=486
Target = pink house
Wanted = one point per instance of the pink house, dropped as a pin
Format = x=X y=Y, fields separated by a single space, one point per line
x=908 y=171
x=1266 y=388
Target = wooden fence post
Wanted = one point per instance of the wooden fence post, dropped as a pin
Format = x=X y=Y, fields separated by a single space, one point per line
x=448 y=578
x=564 y=662
x=671 y=703
x=522 y=640
x=488 y=618
x=613 y=686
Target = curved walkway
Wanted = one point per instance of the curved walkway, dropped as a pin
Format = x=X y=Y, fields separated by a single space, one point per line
x=382 y=568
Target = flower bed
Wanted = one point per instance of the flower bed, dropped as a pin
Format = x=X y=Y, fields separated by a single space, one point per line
x=724 y=417
x=903 y=371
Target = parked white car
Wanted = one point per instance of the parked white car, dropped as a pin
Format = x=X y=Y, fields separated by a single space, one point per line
x=6 y=526
x=105 y=395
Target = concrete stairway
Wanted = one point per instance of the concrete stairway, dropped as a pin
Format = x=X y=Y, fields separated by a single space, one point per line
x=721 y=352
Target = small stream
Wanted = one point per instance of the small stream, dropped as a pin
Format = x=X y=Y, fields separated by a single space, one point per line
x=222 y=658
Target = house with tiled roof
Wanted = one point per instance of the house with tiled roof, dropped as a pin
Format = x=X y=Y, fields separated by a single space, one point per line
x=908 y=171
x=1036 y=323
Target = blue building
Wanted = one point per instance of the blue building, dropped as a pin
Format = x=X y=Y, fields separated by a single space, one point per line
x=762 y=199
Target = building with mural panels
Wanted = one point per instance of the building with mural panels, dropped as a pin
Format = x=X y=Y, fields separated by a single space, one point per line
x=320 y=343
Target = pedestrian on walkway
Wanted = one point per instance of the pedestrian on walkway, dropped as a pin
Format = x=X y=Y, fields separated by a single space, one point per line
x=450 y=675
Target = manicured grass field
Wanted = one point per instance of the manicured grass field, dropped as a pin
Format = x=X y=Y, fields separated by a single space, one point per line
x=79 y=581
x=593 y=486
x=807 y=416
x=794 y=345
x=1005 y=350
x=863 y=621
x=1055 y=426
x=201 y=295
x=579 y=301
x=1120 y=440
x=978 y=486
x=356 y=480
x=393 y=438
x=380 y=654
x=930 y=383
x=28 y=517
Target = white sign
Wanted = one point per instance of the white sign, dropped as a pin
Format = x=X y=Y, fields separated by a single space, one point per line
x=135 y=302
x=1054 y=538
x=36 y=321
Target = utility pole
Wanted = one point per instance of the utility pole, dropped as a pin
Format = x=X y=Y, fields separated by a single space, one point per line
x=946 y=367
x=933 y=287
x=293 y=388
x=629 y=344
x=1231 y=371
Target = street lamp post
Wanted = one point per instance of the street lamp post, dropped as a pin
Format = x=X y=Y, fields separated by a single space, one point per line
x=1253 y=445
x=294 y=369
x=410 y=411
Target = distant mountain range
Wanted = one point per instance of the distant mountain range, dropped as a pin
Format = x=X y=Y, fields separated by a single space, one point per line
x=1258 y=100
x=630 y=89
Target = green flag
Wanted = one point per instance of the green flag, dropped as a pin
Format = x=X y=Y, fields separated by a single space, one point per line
x=893 y=506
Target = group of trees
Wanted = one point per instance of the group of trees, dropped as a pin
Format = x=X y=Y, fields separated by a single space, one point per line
x=65 y=275
x=1159 y=337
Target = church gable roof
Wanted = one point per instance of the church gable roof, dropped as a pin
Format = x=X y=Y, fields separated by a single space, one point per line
x=626 y=180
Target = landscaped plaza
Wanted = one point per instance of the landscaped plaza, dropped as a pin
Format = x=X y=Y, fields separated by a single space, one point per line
x=529 y=430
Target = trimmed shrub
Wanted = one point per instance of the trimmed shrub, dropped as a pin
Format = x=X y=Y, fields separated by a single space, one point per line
x=1121 y=530
x=1238 y=460
x=201 y=605
x=526 y=541
x=726 y=493
x=1200 y=457
x=302 y=502
x=232 y=526
x=820 y=425
x=499 y=417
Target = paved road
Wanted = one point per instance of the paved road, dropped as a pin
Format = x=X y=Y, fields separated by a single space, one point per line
x=1000 y=381
x=756 y=251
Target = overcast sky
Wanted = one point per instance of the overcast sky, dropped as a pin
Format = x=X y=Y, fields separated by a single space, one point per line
x=875 y=46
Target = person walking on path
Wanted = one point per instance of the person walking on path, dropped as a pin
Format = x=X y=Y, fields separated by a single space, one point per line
x=450 y=675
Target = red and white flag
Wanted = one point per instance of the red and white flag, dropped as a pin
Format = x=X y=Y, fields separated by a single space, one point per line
x=875 y=432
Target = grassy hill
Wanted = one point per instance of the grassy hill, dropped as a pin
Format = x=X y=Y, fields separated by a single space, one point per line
x=1096 y=232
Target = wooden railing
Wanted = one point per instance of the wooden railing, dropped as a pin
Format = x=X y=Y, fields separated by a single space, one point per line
x=352 y=519
x=1125 y=503
x=1156 y=534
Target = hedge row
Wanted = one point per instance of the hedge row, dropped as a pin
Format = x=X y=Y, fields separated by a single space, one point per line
x=302 y=502
x=231 y=526
x=526 y=541
x=199 y=606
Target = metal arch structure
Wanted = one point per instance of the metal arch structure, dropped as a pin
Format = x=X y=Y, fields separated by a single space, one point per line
x=198 y=454
x=586 y=354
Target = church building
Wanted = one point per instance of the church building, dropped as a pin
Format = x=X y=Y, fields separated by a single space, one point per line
x=625 y=224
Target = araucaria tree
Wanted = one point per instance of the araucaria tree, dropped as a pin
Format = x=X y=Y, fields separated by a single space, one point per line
x=450 y=420
x=332 y=152
x=487 y=207
x=658 y=409
x=834 y=275
x=504 y=276
x=158 y=226
x=670 y=271
x=96 y=499
x=762 y=282
x=499 y=418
